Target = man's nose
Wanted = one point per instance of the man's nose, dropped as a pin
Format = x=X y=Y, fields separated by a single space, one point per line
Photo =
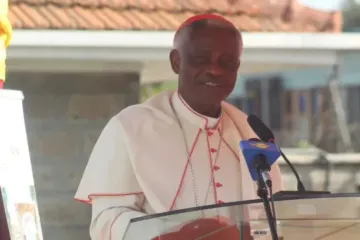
x=214 y=69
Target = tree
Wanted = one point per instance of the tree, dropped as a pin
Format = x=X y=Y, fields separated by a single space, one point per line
x=149 y=90
x=351 y=16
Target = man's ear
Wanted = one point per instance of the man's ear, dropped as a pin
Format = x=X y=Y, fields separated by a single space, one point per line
x=175 y=60
x=238 y=65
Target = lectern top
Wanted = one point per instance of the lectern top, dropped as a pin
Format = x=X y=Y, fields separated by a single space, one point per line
x=323 y=216
x=344 y=197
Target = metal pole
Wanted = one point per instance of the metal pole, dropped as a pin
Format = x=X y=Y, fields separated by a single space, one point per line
x=339 y=109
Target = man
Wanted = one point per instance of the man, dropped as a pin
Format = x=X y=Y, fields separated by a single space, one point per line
x=178 y=149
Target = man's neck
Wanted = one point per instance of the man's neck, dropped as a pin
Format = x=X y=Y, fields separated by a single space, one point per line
x=208 y=110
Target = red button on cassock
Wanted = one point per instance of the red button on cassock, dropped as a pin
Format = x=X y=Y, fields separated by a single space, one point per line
x=218 y=184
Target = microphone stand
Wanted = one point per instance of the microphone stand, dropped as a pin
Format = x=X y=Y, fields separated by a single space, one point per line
x=262 y=192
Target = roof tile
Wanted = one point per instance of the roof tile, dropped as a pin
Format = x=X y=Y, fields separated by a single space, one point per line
x=247 y=15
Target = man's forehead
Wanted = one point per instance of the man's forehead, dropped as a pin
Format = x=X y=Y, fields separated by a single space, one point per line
x=210 y=36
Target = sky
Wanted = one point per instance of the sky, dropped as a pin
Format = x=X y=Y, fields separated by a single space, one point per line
x=323 y=4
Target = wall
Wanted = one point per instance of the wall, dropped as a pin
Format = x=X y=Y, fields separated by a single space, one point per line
x=64 y=115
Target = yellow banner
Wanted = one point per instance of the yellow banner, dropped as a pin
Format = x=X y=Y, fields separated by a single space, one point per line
x=5 y=36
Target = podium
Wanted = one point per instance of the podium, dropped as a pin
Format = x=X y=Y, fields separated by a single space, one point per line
x=19 y=215
x=315 y=217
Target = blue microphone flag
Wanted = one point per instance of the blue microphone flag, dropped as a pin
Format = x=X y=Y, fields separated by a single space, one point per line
x=251 y=149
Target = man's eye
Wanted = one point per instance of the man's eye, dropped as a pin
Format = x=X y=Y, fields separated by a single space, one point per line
x=230 y=64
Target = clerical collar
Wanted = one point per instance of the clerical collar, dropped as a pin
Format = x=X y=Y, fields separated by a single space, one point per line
x=183 y=110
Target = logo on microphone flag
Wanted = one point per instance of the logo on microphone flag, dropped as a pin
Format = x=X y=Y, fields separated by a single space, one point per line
x=259 y=145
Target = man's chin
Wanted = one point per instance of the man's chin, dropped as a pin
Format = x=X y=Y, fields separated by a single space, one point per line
x=213 y=101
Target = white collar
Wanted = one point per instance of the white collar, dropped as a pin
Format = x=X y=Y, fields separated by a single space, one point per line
x=183 y=110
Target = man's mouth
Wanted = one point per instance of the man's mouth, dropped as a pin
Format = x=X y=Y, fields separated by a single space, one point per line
x=211 y=84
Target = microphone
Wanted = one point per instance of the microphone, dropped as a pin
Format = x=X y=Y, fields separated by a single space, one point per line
x=266 y=135
x=259 y=157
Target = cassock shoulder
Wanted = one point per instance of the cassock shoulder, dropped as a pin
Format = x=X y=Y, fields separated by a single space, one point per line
x=239 y=118
x=139 y=114
x=157 y=110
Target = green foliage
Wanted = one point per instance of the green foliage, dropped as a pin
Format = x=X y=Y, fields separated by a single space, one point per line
x=149 y=90
x=351 y=15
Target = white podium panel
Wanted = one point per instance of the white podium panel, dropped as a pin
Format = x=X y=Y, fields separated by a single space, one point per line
x=16 y=177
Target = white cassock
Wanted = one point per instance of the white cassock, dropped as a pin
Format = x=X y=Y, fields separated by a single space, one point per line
x=140 y=164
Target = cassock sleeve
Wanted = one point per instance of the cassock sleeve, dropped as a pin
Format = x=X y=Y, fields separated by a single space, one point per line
x=111 y=216
x=109 y=171
x=110 y=185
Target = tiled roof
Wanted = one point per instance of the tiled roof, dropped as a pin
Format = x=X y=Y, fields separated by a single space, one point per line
x=247 y=15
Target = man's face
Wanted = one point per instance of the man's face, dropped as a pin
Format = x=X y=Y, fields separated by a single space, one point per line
x=209 y=61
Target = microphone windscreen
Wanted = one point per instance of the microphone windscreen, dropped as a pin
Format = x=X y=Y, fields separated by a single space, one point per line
x=263 y=132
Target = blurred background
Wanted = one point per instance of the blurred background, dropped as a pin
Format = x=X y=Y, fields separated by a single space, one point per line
x=79 y=62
